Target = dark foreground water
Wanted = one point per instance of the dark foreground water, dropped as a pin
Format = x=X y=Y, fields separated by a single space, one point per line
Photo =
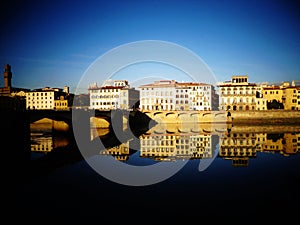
x=249 y=174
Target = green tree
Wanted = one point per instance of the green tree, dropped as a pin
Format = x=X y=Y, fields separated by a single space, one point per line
x=274 y=104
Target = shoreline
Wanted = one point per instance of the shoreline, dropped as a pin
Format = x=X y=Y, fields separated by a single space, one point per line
x=271 y=117
x=287 y=117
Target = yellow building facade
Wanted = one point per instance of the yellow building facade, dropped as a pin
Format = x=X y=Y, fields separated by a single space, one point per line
x=237 y=94
x=286 y=94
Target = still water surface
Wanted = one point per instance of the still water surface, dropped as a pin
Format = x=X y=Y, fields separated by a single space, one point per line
x=248 y=174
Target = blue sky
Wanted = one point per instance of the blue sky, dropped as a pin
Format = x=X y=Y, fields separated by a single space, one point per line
x=53 y=43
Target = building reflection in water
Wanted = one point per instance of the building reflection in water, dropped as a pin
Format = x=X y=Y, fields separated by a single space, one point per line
x=120 y=152
x=283 y=143
x=41 y=144
x=171 y=142
x=46 y=143
x=173 y=147
x=240 y=146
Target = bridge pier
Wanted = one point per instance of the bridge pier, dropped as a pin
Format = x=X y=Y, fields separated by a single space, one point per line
x=60 y=126
x=82 y=128
x=116 y=124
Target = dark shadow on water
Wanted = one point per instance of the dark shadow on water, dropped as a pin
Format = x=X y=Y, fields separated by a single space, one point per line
x=64 y=156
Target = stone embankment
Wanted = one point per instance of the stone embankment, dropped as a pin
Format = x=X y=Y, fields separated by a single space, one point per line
x=266 y=117
x=232 y=117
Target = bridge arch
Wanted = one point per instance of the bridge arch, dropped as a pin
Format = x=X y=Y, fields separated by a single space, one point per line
x=156 y=113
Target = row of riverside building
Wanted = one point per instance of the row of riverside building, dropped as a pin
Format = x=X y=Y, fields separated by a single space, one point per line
x=168 y=95
x=161 y=95
x=240 y=94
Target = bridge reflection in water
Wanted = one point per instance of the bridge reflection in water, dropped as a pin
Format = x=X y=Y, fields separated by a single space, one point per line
x=64 y=120
x=171 y=142
x=238 y=144
x=255 y=172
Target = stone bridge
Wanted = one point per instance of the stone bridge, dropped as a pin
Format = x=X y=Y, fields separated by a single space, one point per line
x=188 y=116
x=190 y=129
x=62 y=120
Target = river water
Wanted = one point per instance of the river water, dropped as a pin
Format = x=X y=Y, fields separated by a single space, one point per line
x=239 y=174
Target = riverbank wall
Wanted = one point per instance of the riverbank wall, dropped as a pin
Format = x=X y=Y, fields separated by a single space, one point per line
x=232 y=117
x=265 y=117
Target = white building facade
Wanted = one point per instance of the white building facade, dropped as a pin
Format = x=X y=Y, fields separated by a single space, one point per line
x=117 y=95
x=172 y=95
x=158 y=96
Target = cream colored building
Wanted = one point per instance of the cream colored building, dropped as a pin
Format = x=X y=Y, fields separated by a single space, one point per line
x=261 y=102
x=160 y=96
x=182 y=98
x=116 y=95
x=49 y=98
x=201 y=96
x=172 y=95
x=237 y=94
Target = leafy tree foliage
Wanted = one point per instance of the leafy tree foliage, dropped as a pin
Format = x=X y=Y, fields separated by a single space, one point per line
x=274 y=104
